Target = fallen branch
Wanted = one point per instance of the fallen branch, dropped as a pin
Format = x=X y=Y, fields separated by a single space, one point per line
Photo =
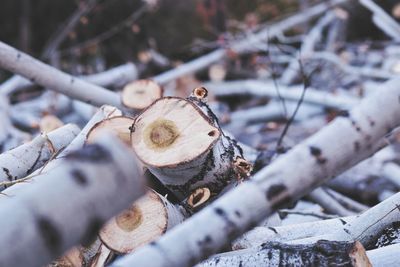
x=22 y=160
x=38 y=72
x=385 y=256
x=292 y=93
x=327 y=202
x=47 y=232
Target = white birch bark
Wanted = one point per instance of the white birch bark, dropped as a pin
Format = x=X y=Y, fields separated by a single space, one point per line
x=21 y=161
x=385 y=256
x=292 y=93
x=38 y=72
x=94 y=176
x=77 y=143
x=322 y=253
x=365 y=227
x=391 y=171
x=328 y=203
x=285 y=233
x=286 y=179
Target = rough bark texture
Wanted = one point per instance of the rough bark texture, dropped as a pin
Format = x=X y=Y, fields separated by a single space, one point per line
x=322 y=253
x=23 y=160
x=292 y=175
x=93 y=175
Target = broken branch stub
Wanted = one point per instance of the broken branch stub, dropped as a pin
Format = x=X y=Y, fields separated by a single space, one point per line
x=140 y=94
x=181 y=143
x=144 y=221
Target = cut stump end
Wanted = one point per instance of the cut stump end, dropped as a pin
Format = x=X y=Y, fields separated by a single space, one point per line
x=140 y=94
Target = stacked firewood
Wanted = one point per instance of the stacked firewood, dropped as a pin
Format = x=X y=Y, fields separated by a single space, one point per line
x=296 y=165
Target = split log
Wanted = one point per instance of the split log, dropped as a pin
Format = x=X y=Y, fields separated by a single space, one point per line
x=385 y=256
x=311 y=163
x=366 y=226
x=23 y=160
x=322 y=253
x=47 y=232
x=119 y=125
x=20 y=63
x=248 y=43
x=146 y=220
x=285 y=233
x=140 y=94
x=77 y=143
x=182 y=144
x=293 y=93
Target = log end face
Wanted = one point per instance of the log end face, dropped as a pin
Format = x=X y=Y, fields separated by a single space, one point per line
x=119 y=125
x=140 y=94
x=143 y=222
x=172 y=131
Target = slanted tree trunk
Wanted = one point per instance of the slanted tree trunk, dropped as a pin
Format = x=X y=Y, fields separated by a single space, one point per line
x=338 y=146
x=181 y=143
x=322 y=253
x=93 y=175
x=146 y=220
x=23 y=160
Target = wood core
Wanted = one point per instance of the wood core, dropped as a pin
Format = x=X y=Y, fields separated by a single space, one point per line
x=130 y=219
x=160 y=134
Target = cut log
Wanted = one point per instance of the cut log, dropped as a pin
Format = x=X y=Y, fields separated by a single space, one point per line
x=286 y=179
x=146 y=220
x=94 y=175
x=182 y=144
x=119 y=125
x=385 y=256
x=140 y=94
x=322 y=253
x=23 y=160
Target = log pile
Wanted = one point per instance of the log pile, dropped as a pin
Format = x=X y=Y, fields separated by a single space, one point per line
x=294 y=162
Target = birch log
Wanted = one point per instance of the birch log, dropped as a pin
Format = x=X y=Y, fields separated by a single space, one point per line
x=286 y=179
x=23 y=160
x=115 y=77
x=147 y=219
x=182 y=144
x=292 y=93
x=38 y=72
x=385 y=256
x=76 y=143
x=94 y=176
x=259 y=235
x=367 y=226
x=322 y=253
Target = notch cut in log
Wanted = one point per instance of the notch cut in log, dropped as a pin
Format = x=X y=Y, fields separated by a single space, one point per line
x=322 y=253
x=181 y=143
x=119 y=125
x=144 y=221
x=140 y=94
